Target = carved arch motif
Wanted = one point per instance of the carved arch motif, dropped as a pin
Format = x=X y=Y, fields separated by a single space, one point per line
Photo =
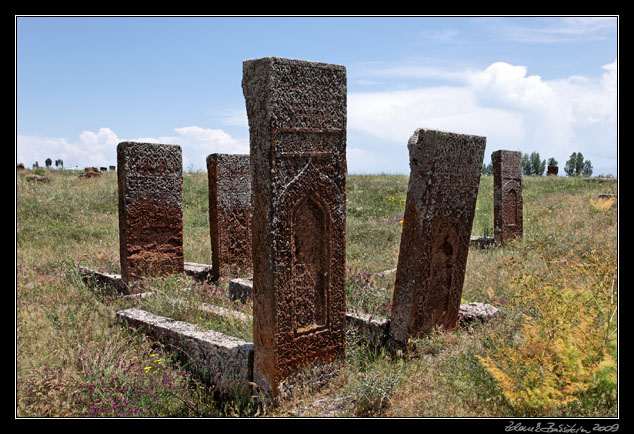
x=306 y=248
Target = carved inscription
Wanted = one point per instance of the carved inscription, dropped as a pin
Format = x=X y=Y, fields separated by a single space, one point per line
x=310 y=260
x=297 y=124
x=439 y=210
x=310 y=247
x=150 y=209
x=230 y=213
x=507 y=195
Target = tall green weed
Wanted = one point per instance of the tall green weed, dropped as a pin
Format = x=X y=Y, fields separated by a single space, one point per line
x=563 y=350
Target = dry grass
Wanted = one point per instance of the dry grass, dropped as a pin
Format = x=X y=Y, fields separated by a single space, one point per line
x=67 y=339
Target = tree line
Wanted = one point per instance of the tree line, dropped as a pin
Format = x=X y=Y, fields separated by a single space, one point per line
x=48 y=162
x=533 y=165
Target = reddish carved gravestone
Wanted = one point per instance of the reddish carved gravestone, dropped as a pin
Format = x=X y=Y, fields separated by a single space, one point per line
x=150 y=179
x=507 y=195
x=230 y=214
x=439 y=209
x=297 y=123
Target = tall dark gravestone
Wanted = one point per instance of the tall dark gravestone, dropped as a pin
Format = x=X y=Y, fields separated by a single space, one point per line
x=439 y=210
x=150 y=181
x=507 y=196
x=230 y=214
x=297 y=125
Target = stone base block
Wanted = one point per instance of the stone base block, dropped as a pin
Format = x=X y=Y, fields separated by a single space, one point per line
x=221 y=360
x=241 y=289
x=93 y=277
x=373 y=329
x=482 y=242
x=471 y=312
x=200 y=272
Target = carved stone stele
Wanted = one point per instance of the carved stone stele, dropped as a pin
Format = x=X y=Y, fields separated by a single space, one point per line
x=230 y=214
x=297 y=124
x=507 y=196
x=439 y=210
x=150 y=182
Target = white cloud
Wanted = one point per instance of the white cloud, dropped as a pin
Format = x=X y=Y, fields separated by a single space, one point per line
x=414 y=68
x=103 y=138
x=204 y=139
x=553 y=29
x=92 y=149
x=364 y=161
x=100 y=148
x=546 y=116
x=443 y=36
x=233 y=117
x=513 y=109
x=508 y=85
x=394 y=116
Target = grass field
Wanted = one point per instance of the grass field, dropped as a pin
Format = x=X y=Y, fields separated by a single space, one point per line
x=552 y=353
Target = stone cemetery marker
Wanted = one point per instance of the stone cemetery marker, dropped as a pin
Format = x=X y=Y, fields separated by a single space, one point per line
x=439 y=209
x=230 y=214
x=297 y=124
x=507 y=195
x=150 y=179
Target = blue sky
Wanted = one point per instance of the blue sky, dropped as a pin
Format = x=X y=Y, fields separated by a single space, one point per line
x=544 y=84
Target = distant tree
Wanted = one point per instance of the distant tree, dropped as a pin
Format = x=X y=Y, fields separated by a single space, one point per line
x=587 y=168
x=59 y=163
x=532 y=164
x=552 y=162
x=538 y=166
x=577 y=166
x=487 y=169
x=526 y=165
x=579 y=163
x=36 y=165
x=48 y=162
x=571 y=165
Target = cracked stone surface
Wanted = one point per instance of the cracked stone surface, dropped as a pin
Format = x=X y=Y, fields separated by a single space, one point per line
x=297 y=127
x=439 y=210
x=230 y=214
x=150 y=182
x=507 y=196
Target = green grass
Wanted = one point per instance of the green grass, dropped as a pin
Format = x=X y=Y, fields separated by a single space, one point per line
x=74 y=359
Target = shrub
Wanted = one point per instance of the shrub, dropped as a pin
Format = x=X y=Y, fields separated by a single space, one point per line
x=372 y=395
x=602 y=204
x=565 y=345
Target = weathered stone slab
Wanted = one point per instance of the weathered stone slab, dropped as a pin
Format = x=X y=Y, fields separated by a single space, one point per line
x=38 y=178
x=230 y=213
x=475 y=311
x=507 y=195
x=150 y=179
x=91 y=275
x=200 y=272
x=297 y=123
x=241 y=289
x=372 y=328
x=439 y=210
x=482 y=242
x=608 y=179
x=224 y=361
